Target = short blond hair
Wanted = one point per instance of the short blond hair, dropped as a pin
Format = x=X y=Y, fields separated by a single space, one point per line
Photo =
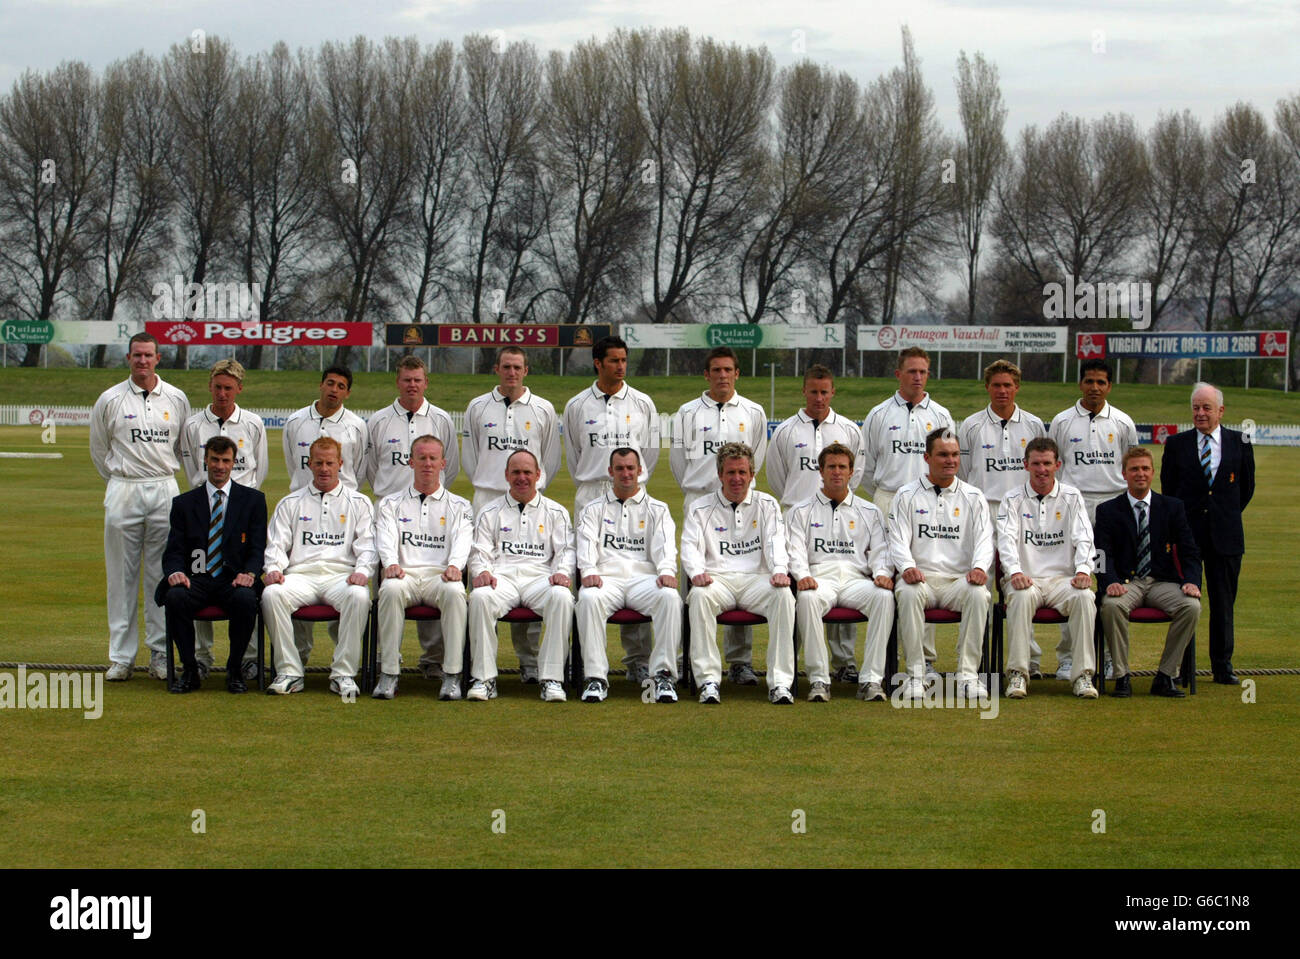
x=231 y=368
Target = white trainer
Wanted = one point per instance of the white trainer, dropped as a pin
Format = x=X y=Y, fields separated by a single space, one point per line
x=450 y=690
x=780 y=696
x=819 y=693
x=1017 y=686
x=595 y=691
x=709 y=695
x=118 y=672
x=285 y=684
x=386 y=688
x=553 y=691
x=1083 y=687
x=1064 y=667
x=347 y=688
x=932 y=675
x=480 y=690
x=158 y=665
x=914 y=688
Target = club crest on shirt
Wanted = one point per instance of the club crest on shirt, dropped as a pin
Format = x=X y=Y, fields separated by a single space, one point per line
x=488 y=426
x=921 y=511
x=166 y=415
x=641 y=525
x=129 y=416
x=852 y=526
x=956 y=511
x=540 y=529
x=1058 y=515
x=928 y=426
x=343 y=517
x=241 y=442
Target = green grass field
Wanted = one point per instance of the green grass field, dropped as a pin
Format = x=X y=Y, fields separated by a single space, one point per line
x=1204 y=782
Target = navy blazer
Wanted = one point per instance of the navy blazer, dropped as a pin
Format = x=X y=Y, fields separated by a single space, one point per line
x=243 y=541
x=1174 y=555
x=1213 y=510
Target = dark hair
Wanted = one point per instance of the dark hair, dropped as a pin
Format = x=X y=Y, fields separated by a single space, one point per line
x=911 y=351
x=835 y=449
x=512 y=349
x=1087 y=366
x=720 y=353
x=623 y=451
x=604 y=345
x=219 y=445
x=818 y=371
x=142 y=338
x=942 y=433
x=1042 y=444
x=342 y=371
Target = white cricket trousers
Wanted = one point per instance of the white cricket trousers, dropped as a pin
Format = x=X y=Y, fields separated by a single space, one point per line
x=636 y=639
x=525 y=637
x=945 y=592
x=487 y=604
x=1056 y=592
x=844 y=586
x=884 y=499
x=280 y=600
x=754 y=593
x=137 y=517
x=424 y=586
x=642 y=593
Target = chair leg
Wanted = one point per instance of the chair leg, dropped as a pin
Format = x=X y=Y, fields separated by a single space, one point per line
x=171 y=664
x=261 y=652
x=577 y=670
x=1188 y=668
x=891 y=659
x=1099 y=656
x=688 y=674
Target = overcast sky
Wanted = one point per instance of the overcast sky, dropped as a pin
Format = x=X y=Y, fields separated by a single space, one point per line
x=1152 y=55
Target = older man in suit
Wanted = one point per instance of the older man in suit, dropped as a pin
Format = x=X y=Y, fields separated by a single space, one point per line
x=1212 y=470
x=1148 y=556
x=215 y=551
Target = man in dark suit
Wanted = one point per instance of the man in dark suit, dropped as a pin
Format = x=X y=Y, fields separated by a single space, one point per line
x=214 y=556
x=1212 y=470
x=1148 y=557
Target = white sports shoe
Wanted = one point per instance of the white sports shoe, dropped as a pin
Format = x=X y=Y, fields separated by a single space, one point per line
x=158 y=665
x=819 y=693
x=932 y=675
x=450 y=687
x=347 y=687
x=914 y=688
x=1064 y=667
x=1110 y=668
x=780 y=696
x=1083 y=687
x=974 y=689
x=553 y=691
x=118 y=672
x=386 y=688
x=480 y=691
x=1017 y=686
x=595 y=691
x=871 y=693
x=709 y=695
x=665 y=691
x=285 y=684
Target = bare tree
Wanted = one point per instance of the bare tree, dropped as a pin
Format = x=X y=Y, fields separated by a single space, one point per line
x=981 y=154
x=202 y=83
x=439 y=119
x=364 y=97
x=594 y=156
x=49 y=182
x=806 y=180
x=280 y=165
x=1169 y=201
x=504 y=90
x=703 y=109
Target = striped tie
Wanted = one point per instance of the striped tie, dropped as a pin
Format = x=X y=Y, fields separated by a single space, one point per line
x=1144 y=542
x=1205 y=459
x=214 y=533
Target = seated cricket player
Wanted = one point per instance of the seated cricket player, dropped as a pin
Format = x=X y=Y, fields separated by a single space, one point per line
x=423 y=534
x=319 y=549
x=941 y=542
x=1045 y=547
x=627 y=555
x=839 y=556
x=733 y=551
x=522 y=556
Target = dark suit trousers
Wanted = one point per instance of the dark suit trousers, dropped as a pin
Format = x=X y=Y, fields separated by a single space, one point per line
x=239 y=602
x=1221 y=574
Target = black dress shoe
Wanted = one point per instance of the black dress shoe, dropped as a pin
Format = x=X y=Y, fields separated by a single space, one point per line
x=1227 y=679
x=1122 y=688
x=188 y=681
x=1163 y=685
x=235 y=683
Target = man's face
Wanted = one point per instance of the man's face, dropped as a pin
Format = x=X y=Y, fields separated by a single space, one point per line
x=411 y=385
x=835 y=476
x=1042 y=466
x=427 y=463
x=521 y=474
x=510 y=370
x=943 y=459
x=736 y=477
x=722 y=375
x=143 y=360
x=324 y=465
x=219 y=466
x=1002 y=390
x=1206 y=411
x=334 y=391
x=817 y=396
x=223 y=389
x=912 y=378
x=1138 y=473
x=1095 y=387
x=611 y=369
x=624 y=469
